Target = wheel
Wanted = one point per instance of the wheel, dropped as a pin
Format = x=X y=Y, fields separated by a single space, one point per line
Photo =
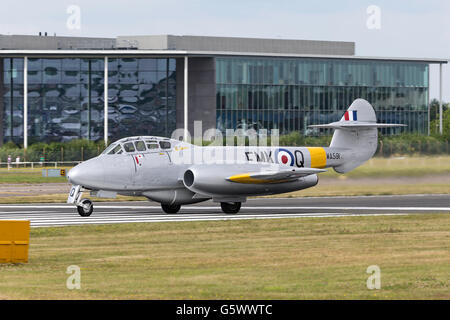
x=170 y=208
x=86 y=208
x=230 y=207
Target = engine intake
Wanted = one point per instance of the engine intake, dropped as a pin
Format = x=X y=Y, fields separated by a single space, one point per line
x=188 y=178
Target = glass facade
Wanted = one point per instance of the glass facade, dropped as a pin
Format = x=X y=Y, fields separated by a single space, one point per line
x=66 y=95
x=290 y=94
x=59 y=107
x=66 y=98
x=11 y=103
x=141 y=94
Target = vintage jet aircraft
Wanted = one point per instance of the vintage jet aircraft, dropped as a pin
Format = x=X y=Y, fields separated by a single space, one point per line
x=169 y=171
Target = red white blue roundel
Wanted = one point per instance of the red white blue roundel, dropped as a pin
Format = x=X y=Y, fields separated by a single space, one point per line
x=284 y=156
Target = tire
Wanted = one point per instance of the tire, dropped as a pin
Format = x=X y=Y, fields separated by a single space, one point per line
x=170 y=208
x=85 y=212
x=230 y=207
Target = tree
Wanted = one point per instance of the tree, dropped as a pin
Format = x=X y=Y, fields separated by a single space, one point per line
x=434 y=109
x=434 y=126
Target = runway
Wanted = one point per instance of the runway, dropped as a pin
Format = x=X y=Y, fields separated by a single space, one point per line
x=47 y=215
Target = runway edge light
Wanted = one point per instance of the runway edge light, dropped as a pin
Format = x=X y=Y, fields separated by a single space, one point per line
x=14 y=241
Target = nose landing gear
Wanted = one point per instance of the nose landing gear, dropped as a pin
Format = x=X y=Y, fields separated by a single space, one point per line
x=85 y=207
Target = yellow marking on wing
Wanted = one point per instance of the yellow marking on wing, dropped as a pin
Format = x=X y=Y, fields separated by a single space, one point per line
x=318 y=157
x=245 y=178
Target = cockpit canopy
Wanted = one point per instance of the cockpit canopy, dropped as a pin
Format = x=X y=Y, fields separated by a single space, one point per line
x=138 y=144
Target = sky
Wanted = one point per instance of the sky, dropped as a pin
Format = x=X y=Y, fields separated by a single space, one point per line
x=399 y=28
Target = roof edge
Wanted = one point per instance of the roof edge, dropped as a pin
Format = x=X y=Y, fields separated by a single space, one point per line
x=176 y=53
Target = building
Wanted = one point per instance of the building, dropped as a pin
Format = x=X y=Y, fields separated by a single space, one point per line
x=61 y=88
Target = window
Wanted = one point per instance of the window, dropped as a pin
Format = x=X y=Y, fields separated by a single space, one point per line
x=110 y=147
x=164 y=144
x=152 y=146
x=140 y=145
x=116 y=150
x=129 y=147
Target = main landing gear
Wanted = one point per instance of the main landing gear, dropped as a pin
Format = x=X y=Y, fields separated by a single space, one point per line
x=230 y=207
x=227 y=207
x=170 y=208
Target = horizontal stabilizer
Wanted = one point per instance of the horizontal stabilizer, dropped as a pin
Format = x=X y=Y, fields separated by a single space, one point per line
x=356 y=125
x=273 y=176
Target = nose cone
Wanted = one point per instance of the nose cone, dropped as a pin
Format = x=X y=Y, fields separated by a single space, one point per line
x=89 y=174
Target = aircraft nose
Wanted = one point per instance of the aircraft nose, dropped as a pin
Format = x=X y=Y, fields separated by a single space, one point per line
x=88 y=174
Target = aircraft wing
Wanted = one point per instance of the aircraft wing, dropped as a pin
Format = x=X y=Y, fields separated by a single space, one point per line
x=273 y=176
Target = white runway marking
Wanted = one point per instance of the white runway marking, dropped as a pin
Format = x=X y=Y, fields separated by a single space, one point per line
x=243 y=207
x=47 y=215
x=74 y=219
x=413 y=195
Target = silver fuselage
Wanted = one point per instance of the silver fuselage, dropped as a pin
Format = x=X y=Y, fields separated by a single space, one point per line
x=158 y=173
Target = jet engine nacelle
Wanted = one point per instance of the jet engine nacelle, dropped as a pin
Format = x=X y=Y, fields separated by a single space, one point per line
x=174 y=197
x=211 y=180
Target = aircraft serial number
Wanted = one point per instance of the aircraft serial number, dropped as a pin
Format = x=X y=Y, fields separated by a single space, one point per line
x=333 y=155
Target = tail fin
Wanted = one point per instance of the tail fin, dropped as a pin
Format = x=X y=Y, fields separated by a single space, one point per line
x=356 y=132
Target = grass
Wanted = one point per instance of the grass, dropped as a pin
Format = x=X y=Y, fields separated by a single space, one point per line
x=28 y=175
x=374 y=189
x=60 y=198
x=328 y=190
x=25 y=177
x=378 y=176
x=311 y=258
x=398 y=167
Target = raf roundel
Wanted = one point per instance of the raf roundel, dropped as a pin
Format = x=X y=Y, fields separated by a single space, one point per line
x=284 y=156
